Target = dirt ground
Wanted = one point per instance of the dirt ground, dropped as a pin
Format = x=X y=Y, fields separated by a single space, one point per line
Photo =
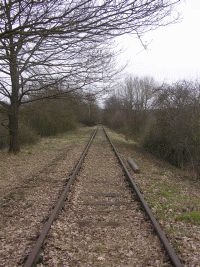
x=30 y=183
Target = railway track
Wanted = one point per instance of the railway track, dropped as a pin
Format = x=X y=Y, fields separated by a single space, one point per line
x=105 y=220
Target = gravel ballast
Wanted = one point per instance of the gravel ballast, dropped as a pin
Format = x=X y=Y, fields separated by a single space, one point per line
x=102 y=223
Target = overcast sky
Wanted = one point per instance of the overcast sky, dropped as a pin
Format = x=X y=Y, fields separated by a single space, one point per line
x=173 y=51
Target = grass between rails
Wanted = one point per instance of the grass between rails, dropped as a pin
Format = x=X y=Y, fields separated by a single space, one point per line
x=172 y=194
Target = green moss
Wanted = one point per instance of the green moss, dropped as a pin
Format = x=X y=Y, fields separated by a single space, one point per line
x=190 y=216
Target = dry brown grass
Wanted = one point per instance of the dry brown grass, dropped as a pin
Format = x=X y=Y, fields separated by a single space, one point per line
x=173 y=195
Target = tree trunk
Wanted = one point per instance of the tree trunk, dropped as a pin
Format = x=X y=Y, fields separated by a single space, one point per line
x=13 y=116
x=13 y=113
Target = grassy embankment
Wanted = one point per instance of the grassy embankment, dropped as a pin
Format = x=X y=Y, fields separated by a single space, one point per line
x=173 y=194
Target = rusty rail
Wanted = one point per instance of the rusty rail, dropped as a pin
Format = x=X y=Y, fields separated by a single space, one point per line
x=164 y=240
x=34 y=254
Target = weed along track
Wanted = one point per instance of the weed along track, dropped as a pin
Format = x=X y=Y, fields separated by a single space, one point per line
x=102 y=222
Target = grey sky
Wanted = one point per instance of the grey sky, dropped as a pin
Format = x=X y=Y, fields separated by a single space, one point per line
x=173 y=51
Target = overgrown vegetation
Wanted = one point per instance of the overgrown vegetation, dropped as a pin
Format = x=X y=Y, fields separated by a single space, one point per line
x=165 y=119
x=48 y=118
x=47 y=43
x=173 y=198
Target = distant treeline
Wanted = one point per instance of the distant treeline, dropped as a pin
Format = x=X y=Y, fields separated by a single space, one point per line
x=165 y=119
x=49 y=117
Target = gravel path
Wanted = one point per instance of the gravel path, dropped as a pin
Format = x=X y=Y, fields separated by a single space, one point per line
x=102 y=224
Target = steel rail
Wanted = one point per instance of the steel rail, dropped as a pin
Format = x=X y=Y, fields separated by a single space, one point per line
x=164 y=240
x=34 y=254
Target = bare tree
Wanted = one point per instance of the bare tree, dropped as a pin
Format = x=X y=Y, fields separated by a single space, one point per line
x=174 y=133
x=48 y=42
x=137 y=95
x=138 y=92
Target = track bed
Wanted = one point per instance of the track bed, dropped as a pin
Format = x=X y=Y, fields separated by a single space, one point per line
x=102 y=223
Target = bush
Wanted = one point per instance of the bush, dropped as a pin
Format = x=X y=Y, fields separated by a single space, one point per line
x=3 y=131
x=3 y=137
x=164 y=118
x=48 y=118
x=50 y=124
x=27 y=135
x=175 y=133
